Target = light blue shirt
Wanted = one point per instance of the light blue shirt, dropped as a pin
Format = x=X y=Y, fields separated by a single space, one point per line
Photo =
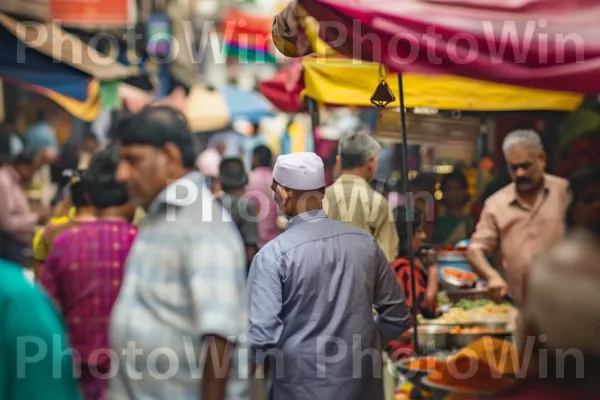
x=185 y=279
x=40 y=136
x=312 y=293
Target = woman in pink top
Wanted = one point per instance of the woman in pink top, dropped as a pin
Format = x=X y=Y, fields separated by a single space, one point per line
x=259 y=192
x=84 y=271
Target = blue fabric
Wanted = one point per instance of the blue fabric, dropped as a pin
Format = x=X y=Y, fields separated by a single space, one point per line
x=40 y=136
x=250 y=106
x=21 y=63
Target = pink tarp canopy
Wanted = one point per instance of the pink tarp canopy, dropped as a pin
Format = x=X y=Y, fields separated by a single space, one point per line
x=545 y=44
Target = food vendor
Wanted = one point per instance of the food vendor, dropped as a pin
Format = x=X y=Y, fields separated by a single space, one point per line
x=522 y=220
x=312 y=294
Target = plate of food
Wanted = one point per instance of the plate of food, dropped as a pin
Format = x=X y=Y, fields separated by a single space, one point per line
x=456 y=278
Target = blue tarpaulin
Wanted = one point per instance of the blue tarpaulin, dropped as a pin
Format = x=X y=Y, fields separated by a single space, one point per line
x=22 y=63
x=249 y=106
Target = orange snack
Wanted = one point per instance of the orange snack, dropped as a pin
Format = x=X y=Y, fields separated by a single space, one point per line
x=425 y=364
x=474 y=330
x=480 y=367
x=458 y=274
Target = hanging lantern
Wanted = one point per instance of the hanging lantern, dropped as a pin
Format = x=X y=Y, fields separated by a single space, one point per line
x=383 y=94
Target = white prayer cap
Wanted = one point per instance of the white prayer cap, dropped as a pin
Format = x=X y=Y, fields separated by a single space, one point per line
x=300 y=171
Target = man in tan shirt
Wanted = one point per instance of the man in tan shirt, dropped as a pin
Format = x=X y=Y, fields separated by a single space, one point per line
x=522 y=220
x=352 y=200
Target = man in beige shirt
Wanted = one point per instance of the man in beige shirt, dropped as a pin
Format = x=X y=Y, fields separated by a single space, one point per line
x=352 y=200
x=522 y=220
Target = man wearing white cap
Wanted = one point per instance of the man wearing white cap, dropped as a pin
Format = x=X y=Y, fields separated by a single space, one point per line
x=312 y=293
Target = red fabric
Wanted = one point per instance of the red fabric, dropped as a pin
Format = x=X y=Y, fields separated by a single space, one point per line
x=284 y=89
x=548 y=44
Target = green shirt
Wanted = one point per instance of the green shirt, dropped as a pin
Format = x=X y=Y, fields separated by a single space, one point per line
x=32 y=343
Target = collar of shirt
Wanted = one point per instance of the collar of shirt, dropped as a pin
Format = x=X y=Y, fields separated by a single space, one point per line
x=162 y=199
x=515 y=200
x=305 y=217
x=349 y=178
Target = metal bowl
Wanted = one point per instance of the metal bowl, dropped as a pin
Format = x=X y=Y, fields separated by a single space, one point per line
x=433 y=337
x=451 y=283
x=460 y=340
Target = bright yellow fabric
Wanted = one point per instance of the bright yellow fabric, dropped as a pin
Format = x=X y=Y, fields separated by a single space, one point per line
x=41 y=247
x=334 y=80
x=352 y=83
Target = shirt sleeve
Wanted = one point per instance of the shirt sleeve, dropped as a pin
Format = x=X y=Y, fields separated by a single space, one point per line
x=36 y=348
x=215 y=270
x=385 y=231
x=266 y=303
x=486 y=233
x=393 y=312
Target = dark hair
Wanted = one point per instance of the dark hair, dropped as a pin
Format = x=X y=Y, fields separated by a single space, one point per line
x=26 y=157
x=156 y=126
x=80 y=192
x=580 y=180
x=104 y=190
x=232 y=174
x=401 y=228
x=264 y=156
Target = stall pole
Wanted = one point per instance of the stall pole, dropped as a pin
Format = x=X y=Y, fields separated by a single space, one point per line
x=409 y=211
x=312 y=111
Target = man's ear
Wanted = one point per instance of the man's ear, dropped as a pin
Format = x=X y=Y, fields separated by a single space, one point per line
x=173 y=153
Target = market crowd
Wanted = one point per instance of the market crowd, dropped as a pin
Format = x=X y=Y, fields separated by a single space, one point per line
x=173 y=276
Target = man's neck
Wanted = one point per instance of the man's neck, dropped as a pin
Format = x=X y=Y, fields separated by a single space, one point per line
x=356 y=172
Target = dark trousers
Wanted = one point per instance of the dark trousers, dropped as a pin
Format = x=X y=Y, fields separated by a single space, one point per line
x=11 y=249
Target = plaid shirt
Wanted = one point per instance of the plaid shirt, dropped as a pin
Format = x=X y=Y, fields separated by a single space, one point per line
x=185 y=279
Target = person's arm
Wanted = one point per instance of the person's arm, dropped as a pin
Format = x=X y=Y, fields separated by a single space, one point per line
x=393 y=312
x=216 y=367
x=266 y=303
x=385 y=231
x=216 y=274
x=484 y=241
x=14 y=224
x=249 y=231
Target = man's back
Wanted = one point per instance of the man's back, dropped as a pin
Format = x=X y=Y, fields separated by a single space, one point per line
x=351 y=200
x=326 y=276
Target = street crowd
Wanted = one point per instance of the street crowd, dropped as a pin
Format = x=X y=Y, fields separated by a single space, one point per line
x=155 y=279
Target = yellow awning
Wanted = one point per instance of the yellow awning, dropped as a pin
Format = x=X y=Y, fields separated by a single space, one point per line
x=350 y=82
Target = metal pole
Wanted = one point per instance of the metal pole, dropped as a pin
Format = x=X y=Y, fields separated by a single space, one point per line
x=409 y=211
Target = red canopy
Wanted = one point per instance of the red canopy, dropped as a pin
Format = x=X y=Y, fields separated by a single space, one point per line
x=284 y=89
x=546 y=44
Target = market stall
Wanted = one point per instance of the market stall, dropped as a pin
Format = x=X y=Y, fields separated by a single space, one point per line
x=563 y=72
x=74 y=79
